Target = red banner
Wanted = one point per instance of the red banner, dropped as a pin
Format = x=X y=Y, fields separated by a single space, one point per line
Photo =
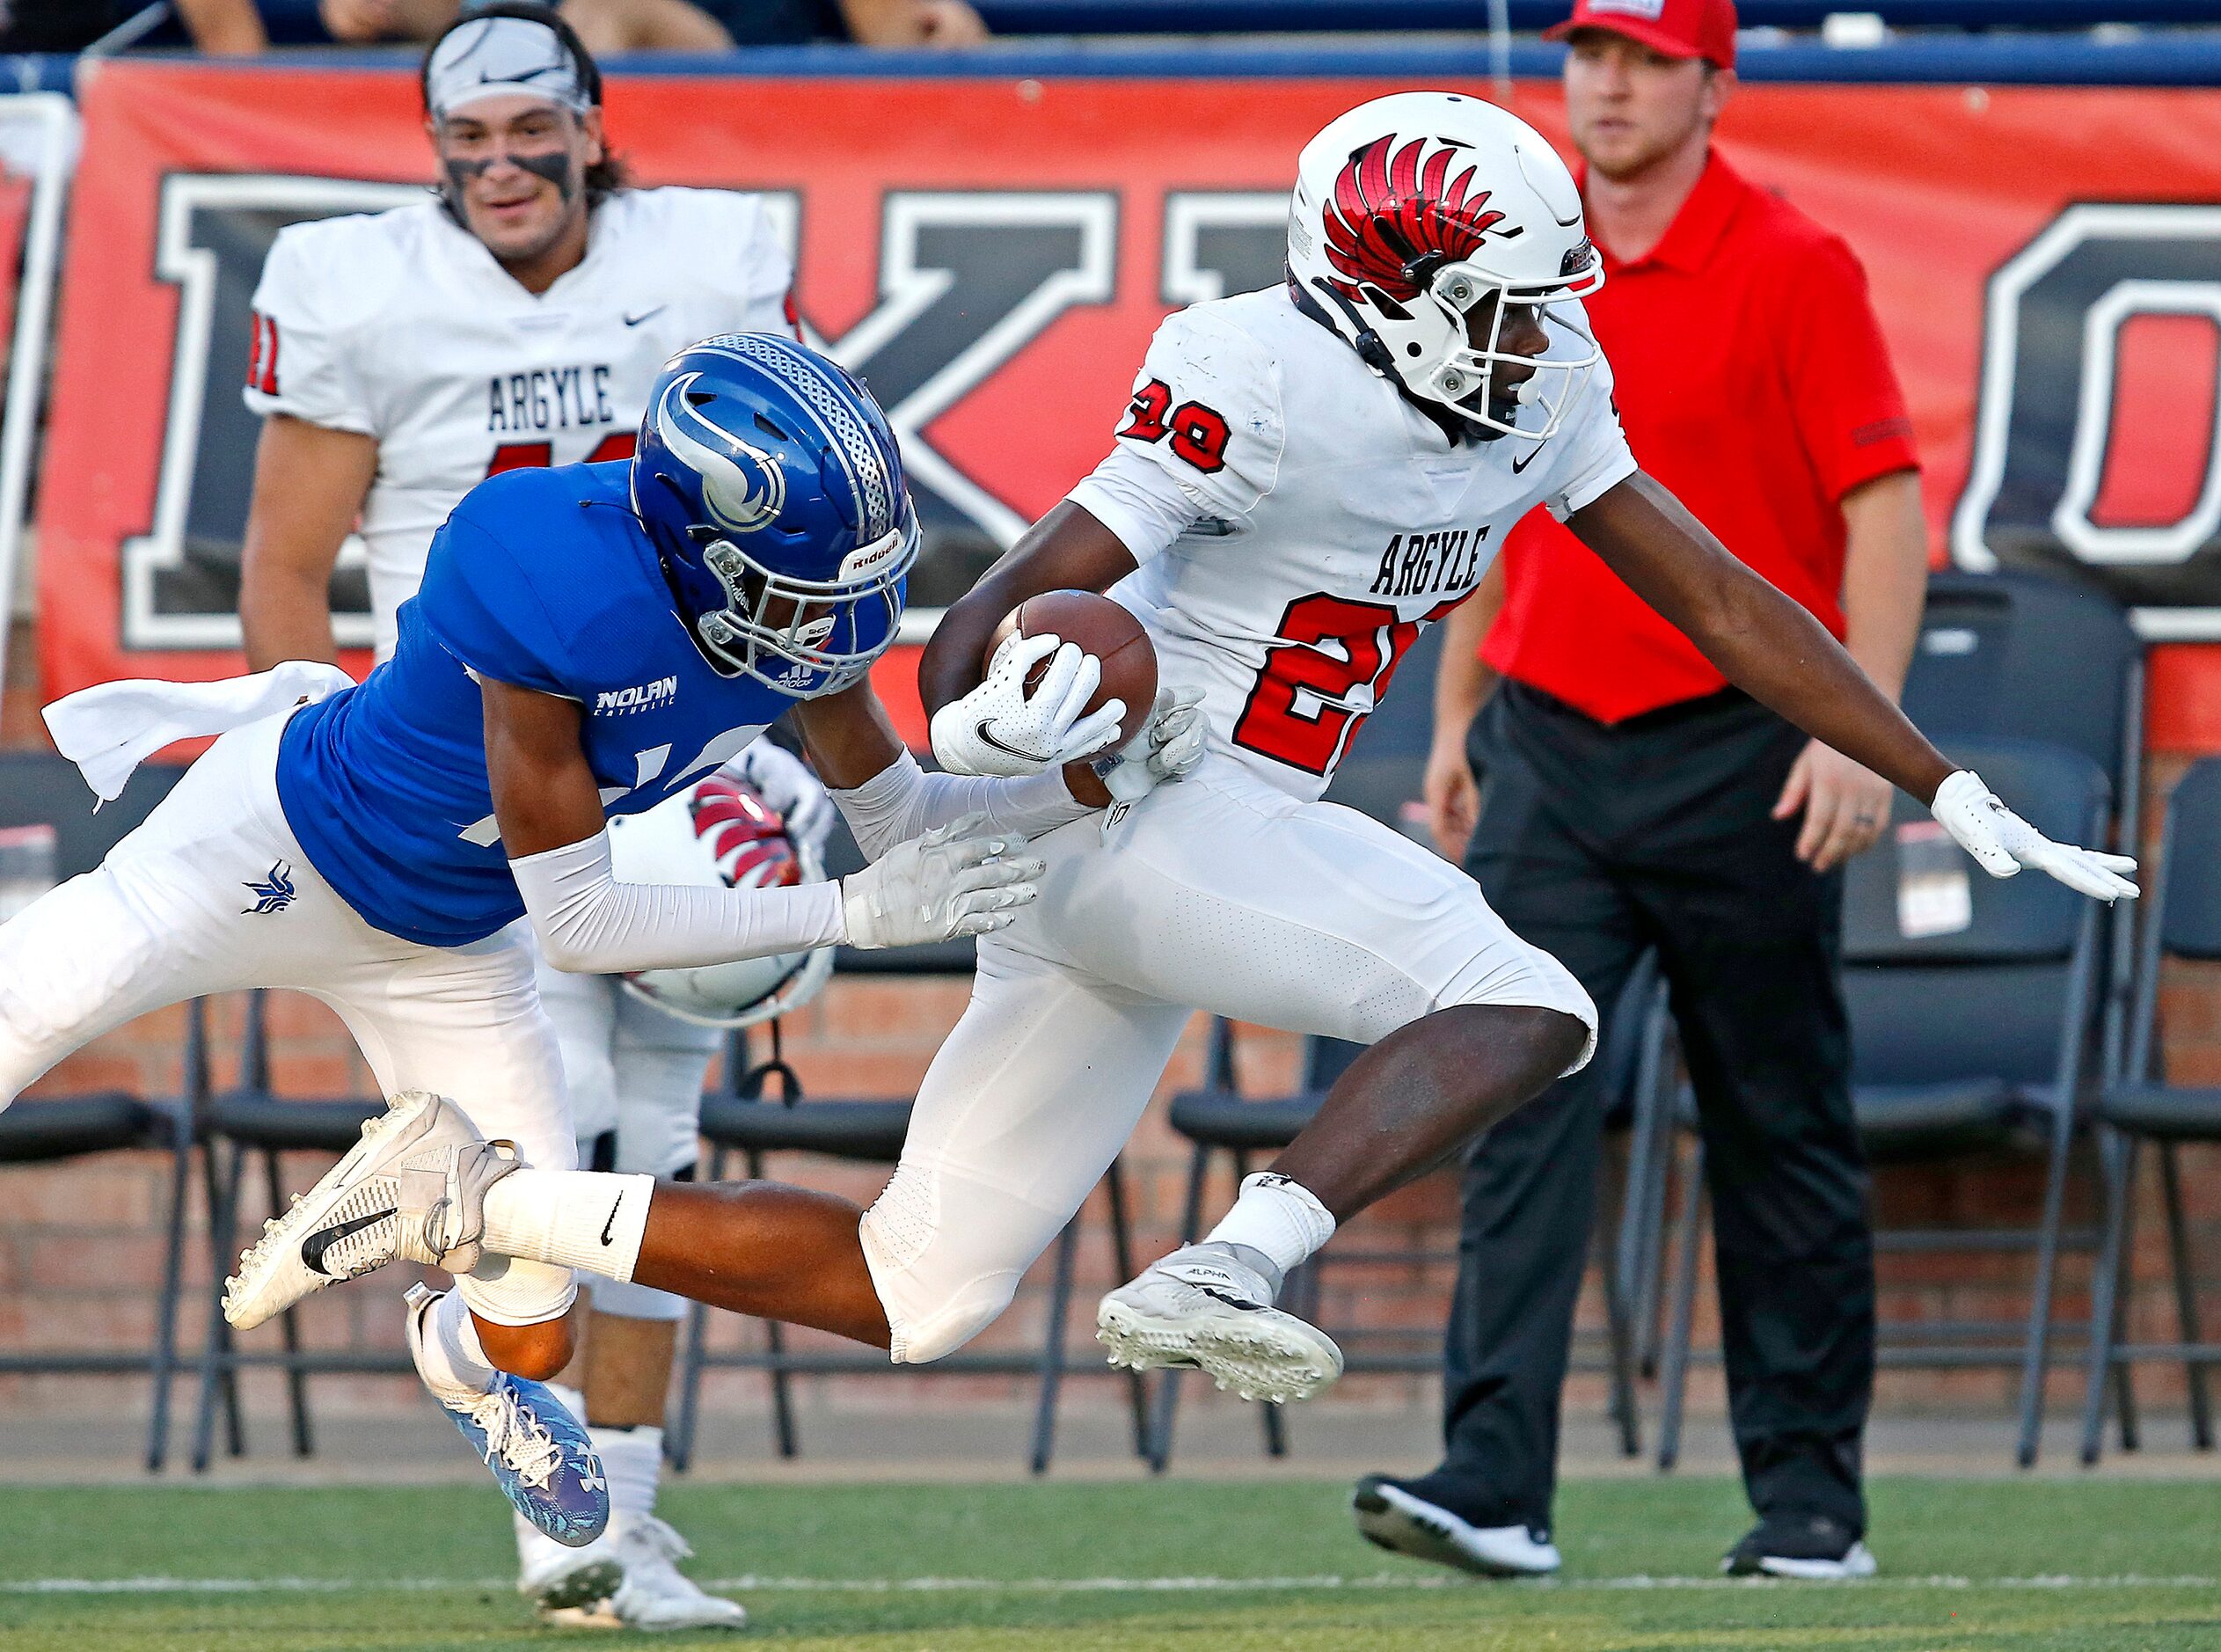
x=993 y=254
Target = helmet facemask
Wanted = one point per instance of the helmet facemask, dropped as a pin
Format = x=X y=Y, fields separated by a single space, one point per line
x=807 y=638
x=1450 y=368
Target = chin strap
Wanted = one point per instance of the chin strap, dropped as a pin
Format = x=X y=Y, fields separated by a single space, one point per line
x=1375 y=353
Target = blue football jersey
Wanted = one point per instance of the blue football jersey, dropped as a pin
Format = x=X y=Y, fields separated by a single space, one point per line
x=543 y=579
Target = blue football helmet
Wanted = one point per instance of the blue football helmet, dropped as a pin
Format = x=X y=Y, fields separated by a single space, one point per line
x=770 y=484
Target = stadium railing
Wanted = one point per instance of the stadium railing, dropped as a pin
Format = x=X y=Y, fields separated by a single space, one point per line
x=45 y=793
x=1971 y=1038
x=2180 y=920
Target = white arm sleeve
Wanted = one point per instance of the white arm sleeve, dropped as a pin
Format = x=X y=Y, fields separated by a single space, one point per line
x=902 y=800
x=589 y=923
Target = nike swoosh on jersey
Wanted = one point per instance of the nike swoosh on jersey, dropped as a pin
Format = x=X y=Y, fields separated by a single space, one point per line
x=314 y=1247
x=1517 y=466
x=986 y=732
x=634 y=321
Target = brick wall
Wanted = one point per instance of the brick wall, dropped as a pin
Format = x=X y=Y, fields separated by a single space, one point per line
x=79 y=1242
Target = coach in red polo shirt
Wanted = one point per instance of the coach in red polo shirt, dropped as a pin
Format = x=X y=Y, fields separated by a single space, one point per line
x=1634 y=800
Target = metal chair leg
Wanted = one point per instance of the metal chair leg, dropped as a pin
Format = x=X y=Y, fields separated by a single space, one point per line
x=2116 y=1155
x=1673 y=1360
x=2131 y=1438
x=1160 y=1443
x=1060 y=1303
x=783 y=1432
x=2185 y=1298
x=678 y=1439
x=162 y=1368
x=2035 y=1362
x=217 y=1370
x=1121 y=1235
x=296 y=1380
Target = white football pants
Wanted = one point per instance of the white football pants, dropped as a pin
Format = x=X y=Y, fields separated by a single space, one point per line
x=212 y=894
x=1217 y=892
x=637 y=1073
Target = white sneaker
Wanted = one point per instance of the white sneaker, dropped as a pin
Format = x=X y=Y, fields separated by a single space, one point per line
x=1393 y=1517
x=568 y=1585
x=1201 y=1309
x=656 y=1594
x=413 y=1188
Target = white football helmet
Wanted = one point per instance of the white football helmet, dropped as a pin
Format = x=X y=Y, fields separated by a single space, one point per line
x=719 y=832
x=1411 y=212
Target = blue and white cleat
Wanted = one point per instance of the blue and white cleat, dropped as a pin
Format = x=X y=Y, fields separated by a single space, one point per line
x=538 y=1451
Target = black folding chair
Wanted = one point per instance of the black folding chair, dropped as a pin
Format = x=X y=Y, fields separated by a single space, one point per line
x=2181 y=919
x=1970 y=1037
x=740 y=1117
x=249 y=1118
x=41 y=790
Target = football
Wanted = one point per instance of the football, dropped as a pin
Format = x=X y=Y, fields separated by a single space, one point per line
x=1116 y=638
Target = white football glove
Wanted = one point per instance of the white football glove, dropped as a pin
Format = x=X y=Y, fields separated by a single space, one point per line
x=954 y=881
x=999 y=729
x=788 y=785
x=1169 y=746
x=2003 y=843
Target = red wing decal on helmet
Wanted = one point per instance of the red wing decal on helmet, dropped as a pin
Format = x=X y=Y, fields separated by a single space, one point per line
x=1392 y=217
x=748 y=839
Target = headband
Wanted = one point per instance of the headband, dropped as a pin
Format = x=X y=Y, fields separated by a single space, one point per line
x=492 y=57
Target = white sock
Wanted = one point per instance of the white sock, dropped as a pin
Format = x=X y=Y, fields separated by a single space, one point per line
x=587 y=1219
x=632 y=1458
x=450 y=1361
x=1276 y=1217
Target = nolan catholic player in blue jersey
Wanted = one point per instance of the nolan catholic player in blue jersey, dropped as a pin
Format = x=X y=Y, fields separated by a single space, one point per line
x=589 y=640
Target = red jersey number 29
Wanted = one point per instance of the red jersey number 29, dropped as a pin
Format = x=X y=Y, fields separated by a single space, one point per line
x=1298 y=711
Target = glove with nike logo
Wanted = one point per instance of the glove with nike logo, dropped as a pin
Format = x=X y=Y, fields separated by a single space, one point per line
x=1001 y=728
x=1167 y=748
x=955 y=881
x=2003 y=843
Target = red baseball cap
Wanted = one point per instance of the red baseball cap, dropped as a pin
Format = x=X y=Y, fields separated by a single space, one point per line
x=1679 y=28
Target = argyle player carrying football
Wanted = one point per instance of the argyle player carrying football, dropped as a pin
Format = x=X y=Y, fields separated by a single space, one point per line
x=375 y=846
x=1306 y=476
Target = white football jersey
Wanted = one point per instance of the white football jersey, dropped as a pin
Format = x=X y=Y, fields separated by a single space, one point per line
x=1297 y=520
x=400 y=325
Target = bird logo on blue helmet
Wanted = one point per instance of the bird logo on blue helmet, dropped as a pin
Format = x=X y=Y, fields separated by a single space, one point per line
x=771 y=487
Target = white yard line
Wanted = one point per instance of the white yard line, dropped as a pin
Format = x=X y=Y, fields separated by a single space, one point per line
x=1386 y=1580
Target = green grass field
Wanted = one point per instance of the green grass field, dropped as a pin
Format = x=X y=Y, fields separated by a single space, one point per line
x=2107 y=1566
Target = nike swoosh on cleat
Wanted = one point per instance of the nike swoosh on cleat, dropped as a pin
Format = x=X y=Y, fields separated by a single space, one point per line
x=1231 y=1302
x=314 y=1247
x=986 y=732
x=609 y=1226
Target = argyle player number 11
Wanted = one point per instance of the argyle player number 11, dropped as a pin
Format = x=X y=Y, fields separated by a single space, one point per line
x=1426 y=368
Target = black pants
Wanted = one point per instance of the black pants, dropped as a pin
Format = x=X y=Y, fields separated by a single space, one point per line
x=1597 y=842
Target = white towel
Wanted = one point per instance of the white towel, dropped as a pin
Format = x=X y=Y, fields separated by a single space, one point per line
x=110 y=730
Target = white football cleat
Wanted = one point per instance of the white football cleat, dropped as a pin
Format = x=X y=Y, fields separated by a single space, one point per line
x=1203 y=1309
x=656 y=1594
x=1393 y=1517
x=567 y=1585
x=413 y=1189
